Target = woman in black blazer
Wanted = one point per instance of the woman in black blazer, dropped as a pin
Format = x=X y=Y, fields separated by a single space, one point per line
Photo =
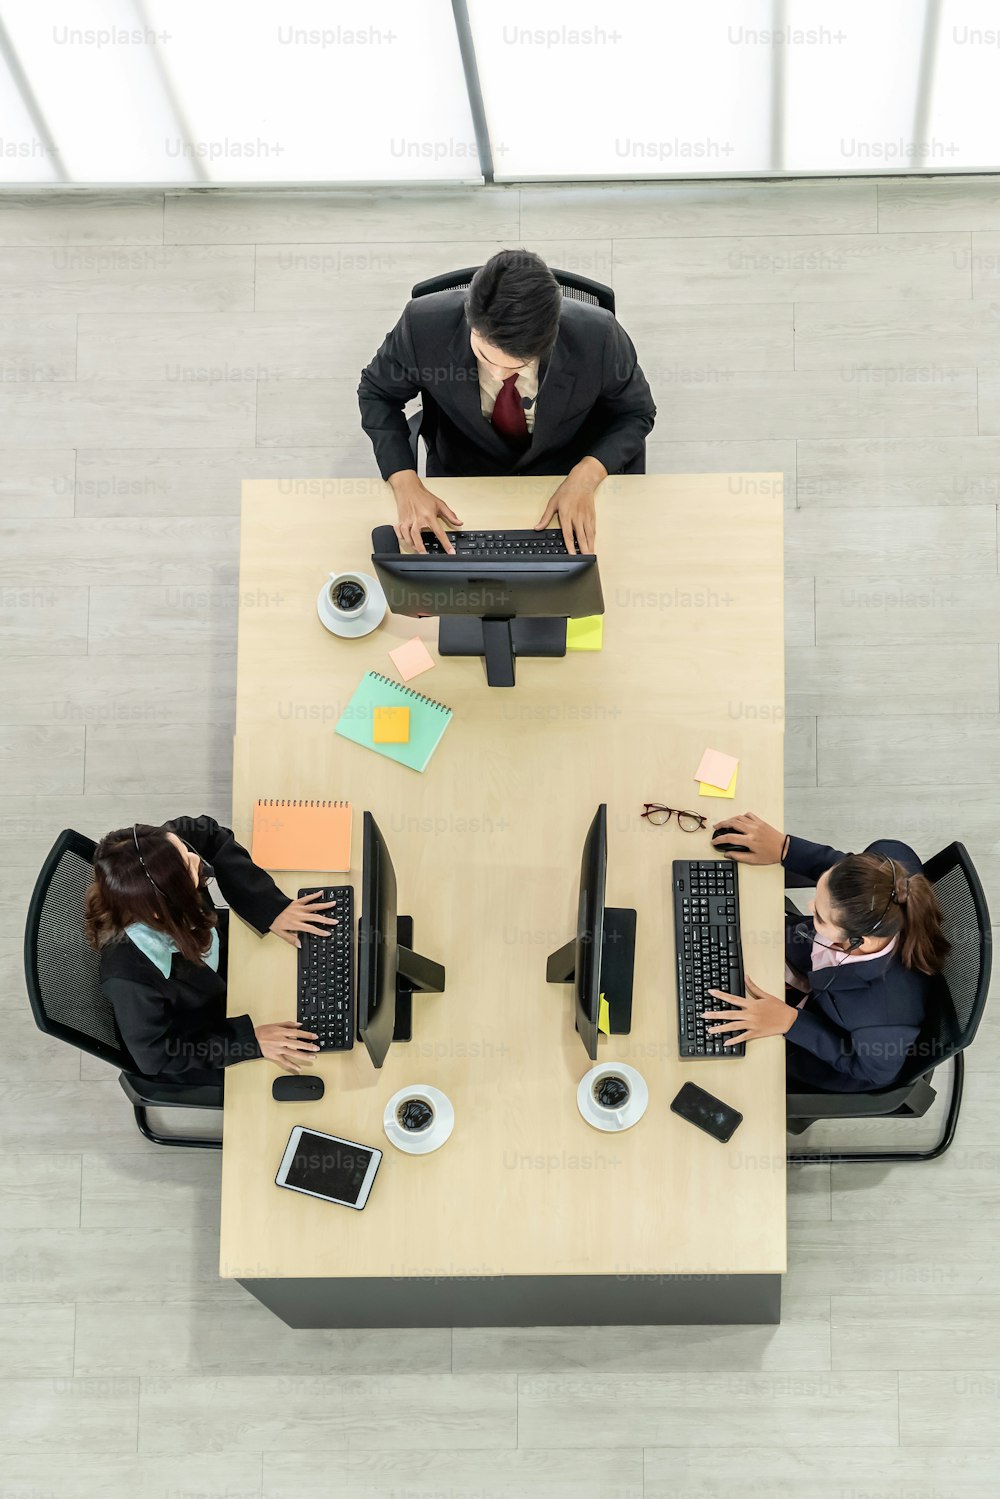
x=860 y=972
x=163 y=949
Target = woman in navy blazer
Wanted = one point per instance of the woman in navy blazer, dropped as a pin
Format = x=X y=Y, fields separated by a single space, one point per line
x=860 y=971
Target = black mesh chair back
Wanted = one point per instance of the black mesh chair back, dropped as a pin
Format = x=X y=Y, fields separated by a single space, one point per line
x=960 y=997
x=581 y=288
x=61 y=969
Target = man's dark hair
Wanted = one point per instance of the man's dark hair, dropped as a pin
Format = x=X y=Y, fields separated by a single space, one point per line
x=513 y=303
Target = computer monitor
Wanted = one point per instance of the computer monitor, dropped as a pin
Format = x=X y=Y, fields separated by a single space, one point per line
x=600 y=959
x=389 y=971
x=497 y=609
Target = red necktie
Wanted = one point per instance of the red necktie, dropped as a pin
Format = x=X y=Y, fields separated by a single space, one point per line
x=508 y=413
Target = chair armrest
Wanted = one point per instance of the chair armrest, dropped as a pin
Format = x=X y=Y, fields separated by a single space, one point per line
x=846 y=1105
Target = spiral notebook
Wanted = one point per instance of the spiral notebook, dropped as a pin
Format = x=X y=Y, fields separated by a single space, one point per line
x=313 y=836
x=428 y=720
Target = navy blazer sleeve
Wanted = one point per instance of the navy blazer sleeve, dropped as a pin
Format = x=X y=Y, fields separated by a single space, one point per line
x=250 y=890
x=160 y=1047
x=870 y=1055
x=387 y=384
x=810 y=859
x=624 y=415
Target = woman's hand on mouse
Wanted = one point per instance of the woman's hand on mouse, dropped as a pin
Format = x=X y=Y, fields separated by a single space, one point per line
x=304 y=915
x=764 y=844
x=285 y=1044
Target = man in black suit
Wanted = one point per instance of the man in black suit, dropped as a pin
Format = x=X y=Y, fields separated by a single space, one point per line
x=513 y=379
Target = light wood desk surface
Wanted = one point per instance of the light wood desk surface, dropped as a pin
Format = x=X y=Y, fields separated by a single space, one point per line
x=486 y=845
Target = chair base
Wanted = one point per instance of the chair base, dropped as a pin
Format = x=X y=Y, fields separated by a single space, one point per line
x=145 y=1093
x=185 y=1142
x=888 y=1157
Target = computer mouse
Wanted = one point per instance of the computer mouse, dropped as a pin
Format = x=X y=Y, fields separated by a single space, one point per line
x=296 y=1088
x=728 y=848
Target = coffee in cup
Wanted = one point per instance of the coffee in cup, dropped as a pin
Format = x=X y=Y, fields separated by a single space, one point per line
x=415 y=1115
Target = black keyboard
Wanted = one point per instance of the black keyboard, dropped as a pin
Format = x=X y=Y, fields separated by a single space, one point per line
x=707 y=932
x=500 y=546
x=326 y=968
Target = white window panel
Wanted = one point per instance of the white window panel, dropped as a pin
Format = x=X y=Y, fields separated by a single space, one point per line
x=851 y=86
x=92 y=66
x=631 y=89
x=963 y=112
x=220 y=91
x=24 y=156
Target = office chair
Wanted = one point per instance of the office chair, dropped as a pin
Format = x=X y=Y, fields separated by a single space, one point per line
x=62 y=972
x=581 y=288
x=960 y=999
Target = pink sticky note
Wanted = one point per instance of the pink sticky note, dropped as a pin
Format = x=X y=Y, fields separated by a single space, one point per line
x=717 y=769
x=411 y=658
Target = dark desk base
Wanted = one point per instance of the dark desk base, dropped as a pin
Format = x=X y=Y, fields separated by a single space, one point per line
x=523 y=1300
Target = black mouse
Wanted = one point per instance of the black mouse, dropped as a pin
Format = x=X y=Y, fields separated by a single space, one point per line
x=295 y=1088
x=728 y=848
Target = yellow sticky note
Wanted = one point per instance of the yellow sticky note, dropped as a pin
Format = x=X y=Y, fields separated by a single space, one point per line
x=585 y=634
x=604 y=1017
x=391 y=726
x=704 y=789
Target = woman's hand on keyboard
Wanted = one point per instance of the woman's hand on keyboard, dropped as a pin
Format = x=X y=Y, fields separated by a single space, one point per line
x=304 y=915
x=285 y=1044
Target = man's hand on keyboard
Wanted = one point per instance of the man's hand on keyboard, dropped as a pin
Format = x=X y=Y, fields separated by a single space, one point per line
x=304 y=915
x=759 y=1014
x=419 y=510
x=575 y=506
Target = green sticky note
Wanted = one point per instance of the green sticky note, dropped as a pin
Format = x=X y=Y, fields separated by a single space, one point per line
x=585 y=634
x=604 y=1017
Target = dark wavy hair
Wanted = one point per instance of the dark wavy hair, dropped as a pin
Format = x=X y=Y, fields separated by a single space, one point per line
x=861 y=888
x=513 y=303
x=163 y=894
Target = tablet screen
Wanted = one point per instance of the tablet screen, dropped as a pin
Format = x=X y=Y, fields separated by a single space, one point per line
x=331 y=1168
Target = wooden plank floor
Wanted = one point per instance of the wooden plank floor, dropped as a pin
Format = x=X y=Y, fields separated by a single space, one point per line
x=154 y=351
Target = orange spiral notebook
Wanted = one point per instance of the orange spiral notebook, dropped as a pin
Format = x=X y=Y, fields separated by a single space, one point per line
x=313 y=836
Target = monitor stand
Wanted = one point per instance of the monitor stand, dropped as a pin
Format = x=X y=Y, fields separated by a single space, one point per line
x=617 y=966
x=413 y=973
x=500 y=641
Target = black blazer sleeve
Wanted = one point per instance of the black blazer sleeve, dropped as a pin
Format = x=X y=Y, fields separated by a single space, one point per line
x=625 y=411
x=810 y=859
x=162 y=1045
x=386 y=385
x=250 y=890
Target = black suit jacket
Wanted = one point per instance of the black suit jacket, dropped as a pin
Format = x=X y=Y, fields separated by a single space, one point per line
x=176 y=1028
x=859 y=1021
x=593 y=399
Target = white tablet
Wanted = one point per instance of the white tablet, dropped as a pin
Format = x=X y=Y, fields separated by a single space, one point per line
x=325 y=1166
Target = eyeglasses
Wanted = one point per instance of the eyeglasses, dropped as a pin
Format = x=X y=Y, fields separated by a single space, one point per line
x=688 y=822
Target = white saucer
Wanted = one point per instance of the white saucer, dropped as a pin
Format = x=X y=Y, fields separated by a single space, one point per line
x=612 y=1120
x=351 y=626
x=437 y=1132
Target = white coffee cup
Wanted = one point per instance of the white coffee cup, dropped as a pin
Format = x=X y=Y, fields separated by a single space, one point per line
x=351 y=603
x=617 y=1112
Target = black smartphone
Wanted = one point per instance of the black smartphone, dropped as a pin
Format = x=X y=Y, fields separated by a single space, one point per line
x=705 y=1112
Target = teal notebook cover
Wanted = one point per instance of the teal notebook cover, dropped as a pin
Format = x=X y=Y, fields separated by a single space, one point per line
x=428 y=720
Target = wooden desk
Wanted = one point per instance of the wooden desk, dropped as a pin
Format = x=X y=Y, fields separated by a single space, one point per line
x=527 y=1214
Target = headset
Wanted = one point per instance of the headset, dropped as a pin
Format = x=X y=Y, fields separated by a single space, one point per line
x=806 y=928
x=855 y=942
x=205 y=871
